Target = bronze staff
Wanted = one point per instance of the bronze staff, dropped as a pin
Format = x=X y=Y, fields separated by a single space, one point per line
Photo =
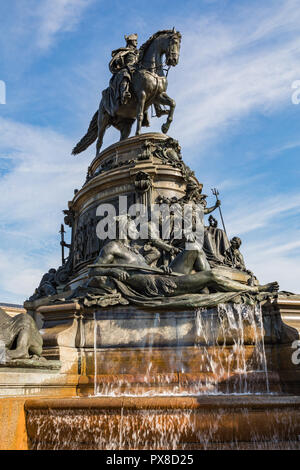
x=62 y=242
x=216 y=193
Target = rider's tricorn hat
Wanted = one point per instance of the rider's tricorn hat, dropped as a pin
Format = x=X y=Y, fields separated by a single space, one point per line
x=131 y=37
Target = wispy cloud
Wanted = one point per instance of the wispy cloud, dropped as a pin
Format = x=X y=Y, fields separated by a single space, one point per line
x=233 y=68
x=58 y=16
x=20 y=273
x=35 y=191
x=285 y=270
x=43 y=174
x=276 y=258
x=251 y=215
x=228 y=69
x=287 y=146
x=271 y=242
x=29 y=28
x=273 y=249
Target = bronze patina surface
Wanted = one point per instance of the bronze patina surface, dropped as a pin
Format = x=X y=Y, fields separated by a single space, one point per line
x=172 y=338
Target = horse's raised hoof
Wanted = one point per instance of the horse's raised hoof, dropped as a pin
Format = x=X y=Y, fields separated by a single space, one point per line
x=145 y=122
x=160 y=112
x=164 y=128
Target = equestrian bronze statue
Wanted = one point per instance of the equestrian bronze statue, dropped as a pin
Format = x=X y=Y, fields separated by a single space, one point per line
x=138 y=82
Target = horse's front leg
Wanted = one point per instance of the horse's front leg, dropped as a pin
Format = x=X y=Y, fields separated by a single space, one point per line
x=140 y=111
x=164 y=99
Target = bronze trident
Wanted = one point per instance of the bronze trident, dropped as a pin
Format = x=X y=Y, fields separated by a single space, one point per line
x=216 y=193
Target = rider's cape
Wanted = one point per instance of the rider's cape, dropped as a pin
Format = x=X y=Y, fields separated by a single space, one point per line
x=122 y=57
x=121 y=66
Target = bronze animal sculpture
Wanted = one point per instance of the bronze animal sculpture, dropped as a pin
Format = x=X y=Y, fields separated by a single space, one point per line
x=20 y=336
x=148 y=86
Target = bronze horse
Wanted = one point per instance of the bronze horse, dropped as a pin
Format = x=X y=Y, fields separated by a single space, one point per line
x=149 y=85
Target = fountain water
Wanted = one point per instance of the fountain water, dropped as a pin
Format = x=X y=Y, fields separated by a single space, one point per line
x=149 y=371
x=230 y=351
x=164 y=423
x=95 y=354
x=229 y=339
x=228 y=404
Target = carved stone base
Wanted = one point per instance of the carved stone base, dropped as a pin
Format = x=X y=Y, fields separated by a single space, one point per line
x=139 y=350
x=119 y=171
x=39 y=363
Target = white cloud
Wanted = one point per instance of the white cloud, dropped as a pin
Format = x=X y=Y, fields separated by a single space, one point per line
x=33 y=194
x=284 y=270
x=58 y=16
x=20 y=273
x=43 y=175
x=31 y=27
x=230 y=69
x=226 y=71
x=276 y=258
x=270 y=244
x=287 y=146
x=252 y=215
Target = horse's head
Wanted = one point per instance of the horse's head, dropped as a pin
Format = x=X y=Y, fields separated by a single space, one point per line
x=172 y=53
x=163 y=43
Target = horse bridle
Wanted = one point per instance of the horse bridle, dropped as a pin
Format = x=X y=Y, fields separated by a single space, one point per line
x=163 y=66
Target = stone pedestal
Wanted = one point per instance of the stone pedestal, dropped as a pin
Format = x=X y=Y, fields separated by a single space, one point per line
x=118 y=171
x=127 y=349
x=289 y=307
x=146 y=352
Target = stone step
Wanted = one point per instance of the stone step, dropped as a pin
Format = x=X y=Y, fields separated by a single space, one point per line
x=198 y=422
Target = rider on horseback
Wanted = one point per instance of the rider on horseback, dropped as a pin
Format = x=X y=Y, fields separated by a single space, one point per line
x=122 y=66
x=138 y=82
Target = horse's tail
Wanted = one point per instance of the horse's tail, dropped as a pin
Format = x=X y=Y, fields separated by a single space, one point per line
x=89 y=137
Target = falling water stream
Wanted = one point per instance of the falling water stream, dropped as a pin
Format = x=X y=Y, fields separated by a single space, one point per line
x=231 y=351
x=229 y=342
x=95 y=353
x=228 y=335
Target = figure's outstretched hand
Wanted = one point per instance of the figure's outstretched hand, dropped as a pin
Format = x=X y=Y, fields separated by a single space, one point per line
x=218 y=203
x=166 y=269
x=270 y=287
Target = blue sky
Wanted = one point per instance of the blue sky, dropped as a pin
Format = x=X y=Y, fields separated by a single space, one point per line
x=235 y=120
